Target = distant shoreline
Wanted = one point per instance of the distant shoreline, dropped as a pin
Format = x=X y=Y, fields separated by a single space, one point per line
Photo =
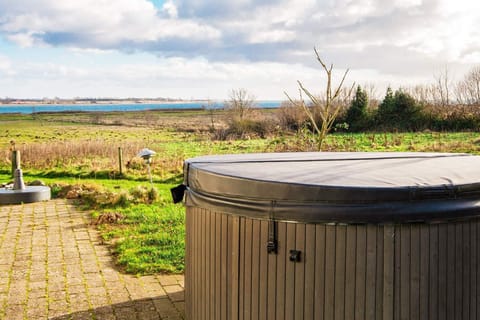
x=80 y=102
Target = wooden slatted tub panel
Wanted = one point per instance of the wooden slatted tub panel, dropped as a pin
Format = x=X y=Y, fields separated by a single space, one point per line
x=189 y=232
x=389 y=272
x=271 y=287
x=264 y=271
x=309 y=262
x=212 y=256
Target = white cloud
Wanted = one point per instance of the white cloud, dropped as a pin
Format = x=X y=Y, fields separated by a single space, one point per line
x=96 y=23
x=22 y=39
x=174 y=77
x=6 y=66
x=170 y=9
x=210 y=45
x=234 y=29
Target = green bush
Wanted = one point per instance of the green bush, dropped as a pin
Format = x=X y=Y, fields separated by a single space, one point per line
x=399 y=111
x=357 y=117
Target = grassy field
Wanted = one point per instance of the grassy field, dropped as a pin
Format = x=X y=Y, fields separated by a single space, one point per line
x=77 y=155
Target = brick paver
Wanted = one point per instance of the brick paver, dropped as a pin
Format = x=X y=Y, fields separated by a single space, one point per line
x=53 y=266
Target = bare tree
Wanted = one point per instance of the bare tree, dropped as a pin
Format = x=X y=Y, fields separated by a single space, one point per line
x=328 y=107
x=211 y=107
x=372 y=94
x=421 y=92
x=240 y=104
x=441 y=89
x=468 y=89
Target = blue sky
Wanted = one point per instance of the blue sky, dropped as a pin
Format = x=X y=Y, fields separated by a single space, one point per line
x=204 y=48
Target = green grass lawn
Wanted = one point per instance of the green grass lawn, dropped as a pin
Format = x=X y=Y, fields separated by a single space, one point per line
x=149 y=239
x=147 y=235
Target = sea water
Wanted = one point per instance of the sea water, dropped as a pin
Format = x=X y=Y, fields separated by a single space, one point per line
x=33 y=108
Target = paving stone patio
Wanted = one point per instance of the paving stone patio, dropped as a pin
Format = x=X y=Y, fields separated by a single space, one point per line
x=53 y=266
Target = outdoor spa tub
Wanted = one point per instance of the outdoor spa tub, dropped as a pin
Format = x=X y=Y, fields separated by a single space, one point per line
x=333 y=236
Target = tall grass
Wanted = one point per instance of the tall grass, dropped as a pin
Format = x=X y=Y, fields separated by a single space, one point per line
x=99 y=154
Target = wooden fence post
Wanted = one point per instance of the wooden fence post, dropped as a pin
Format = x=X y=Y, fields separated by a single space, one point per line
x=15 y=161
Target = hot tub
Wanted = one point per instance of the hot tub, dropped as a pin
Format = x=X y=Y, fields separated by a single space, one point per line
x=333 y=236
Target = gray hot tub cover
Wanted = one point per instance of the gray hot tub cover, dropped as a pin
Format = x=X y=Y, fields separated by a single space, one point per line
x=338 y=186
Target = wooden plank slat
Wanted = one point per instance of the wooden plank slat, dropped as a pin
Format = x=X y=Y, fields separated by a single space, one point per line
x=309 y=260
x=211 y=262
x=433 y=272
x=388 y=271
x=212 y=276
x=264 y=270
x=405 y=272
x=207 y=264
x=290 y=274
x=200 y=263
x=370 y=272
x=241 y=271
x=397 y=266
x=203 y=263
x=223 y=272
x=458 y=271
x=192 y=306
x=300 y=271
x=477 y=269
x=330 y=238
x=319 y=307
x=188 y=263
x=233 y=263
x=451 y=247
x=248 y=269
x=473 y=269
x=442 y=271
x=198 y=260
x=350 y=270
x=466 y=277
x=415 y=272
x=255 y=267
x=281 y=269
x=466 y=270
x=217 y=271
x=340 y=247
x=361 y=270
x=379 y=274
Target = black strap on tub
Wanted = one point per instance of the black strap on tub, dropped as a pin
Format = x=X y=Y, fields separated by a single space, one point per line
x=178 y=193
x=272 y=244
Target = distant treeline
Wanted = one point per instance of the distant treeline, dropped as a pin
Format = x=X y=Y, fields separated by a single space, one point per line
x=441 y=106
x=400 y=111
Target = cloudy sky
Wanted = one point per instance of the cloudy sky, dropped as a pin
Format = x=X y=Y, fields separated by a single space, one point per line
x=204 y=48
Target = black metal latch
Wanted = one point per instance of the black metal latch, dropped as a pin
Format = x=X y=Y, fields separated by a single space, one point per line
x=295 y=255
